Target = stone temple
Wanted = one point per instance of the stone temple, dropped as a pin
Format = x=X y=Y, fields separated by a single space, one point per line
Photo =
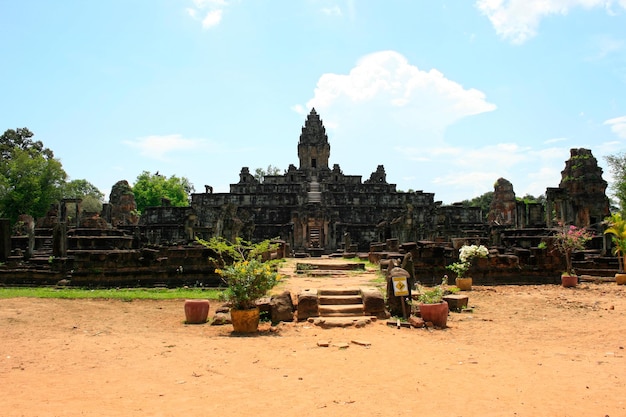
x=315 y=208
x=312 y=209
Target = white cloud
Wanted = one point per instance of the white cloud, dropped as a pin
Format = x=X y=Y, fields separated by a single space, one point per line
x=518 y=20
x=384 y=86
x=212 y=10
x=618 y=126
x=159 y=147
x=212 y=18
x=332 y=11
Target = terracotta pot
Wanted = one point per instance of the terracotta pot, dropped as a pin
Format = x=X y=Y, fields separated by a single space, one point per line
x=620 y=279
x=436 y=313
x=464 y=284
x=245 y=321
x=196 y=311
x=569 y=280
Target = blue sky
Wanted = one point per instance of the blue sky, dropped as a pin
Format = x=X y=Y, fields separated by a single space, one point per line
x=448 y=95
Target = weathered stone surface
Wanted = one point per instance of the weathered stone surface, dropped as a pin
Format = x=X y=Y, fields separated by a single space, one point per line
x=221 y=318
x=123 y=205
x=373 y=302
x=281 y=307
x=503 y=206
x=307 y=304
x=456 y=302
x=416 y=322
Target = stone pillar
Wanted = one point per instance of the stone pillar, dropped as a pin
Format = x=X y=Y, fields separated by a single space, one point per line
x=59 y=240
x=5 y=239
x=30 y=247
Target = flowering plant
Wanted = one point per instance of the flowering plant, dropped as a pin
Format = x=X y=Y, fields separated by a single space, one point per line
x=569 y=239
x=247 y=281
x=466 y=255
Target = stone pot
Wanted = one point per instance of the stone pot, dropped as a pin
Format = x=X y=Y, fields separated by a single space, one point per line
x=568 y=280
x=196 y=311
x=245 y=321
x=464 y=284
x=436 y=313
x=620 y=279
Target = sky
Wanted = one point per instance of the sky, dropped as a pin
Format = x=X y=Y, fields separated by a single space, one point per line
x=448 y=95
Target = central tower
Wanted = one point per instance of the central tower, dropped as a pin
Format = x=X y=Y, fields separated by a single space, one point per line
x=313 y=148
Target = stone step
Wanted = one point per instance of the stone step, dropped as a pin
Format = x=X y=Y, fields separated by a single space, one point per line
x=341 y=310
x=340 y=299
x=340 y=291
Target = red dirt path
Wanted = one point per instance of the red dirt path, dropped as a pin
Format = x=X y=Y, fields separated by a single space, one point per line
x=524 y=351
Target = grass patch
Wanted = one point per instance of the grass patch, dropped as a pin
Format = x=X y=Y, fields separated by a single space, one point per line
x=126 y=294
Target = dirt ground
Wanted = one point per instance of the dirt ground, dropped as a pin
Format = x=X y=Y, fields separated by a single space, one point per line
x=523 y=351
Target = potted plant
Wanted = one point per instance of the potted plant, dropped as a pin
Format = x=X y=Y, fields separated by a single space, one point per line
x=467 y=254
x=247 y=280
x=617 y=228
x=570 y=239
x=432 y=306
x=247 y=277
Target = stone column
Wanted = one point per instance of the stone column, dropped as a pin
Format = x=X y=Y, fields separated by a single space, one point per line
x=59 y=240
x=5 y=239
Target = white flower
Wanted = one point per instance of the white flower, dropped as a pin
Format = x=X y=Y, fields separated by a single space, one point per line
x=469 y=252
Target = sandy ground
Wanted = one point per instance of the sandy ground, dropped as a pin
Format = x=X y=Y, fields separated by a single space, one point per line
x=524 y=351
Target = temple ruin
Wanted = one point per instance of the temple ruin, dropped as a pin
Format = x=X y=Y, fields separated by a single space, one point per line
x=312 y=210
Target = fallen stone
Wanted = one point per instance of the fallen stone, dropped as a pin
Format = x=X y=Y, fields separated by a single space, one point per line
x=220 y=318
x=323 y=343
x=281 y=307
x=416 y=322
x=361 y=343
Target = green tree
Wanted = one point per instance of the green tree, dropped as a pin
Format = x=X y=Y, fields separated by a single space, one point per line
x=92 y=198
x=20 y=138
x=617 y=165
x=149 y=189
x=29 y=183
x=483 y=201
x=259 y=173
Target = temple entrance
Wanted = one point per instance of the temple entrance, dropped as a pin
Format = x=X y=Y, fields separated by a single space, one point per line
x=315 y=237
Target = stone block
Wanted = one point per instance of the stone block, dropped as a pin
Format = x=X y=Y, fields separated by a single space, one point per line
x=308 y=304
x=456 y=302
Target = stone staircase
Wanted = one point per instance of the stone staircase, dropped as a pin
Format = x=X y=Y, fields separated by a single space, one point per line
x=340 y=302
x=314 y=195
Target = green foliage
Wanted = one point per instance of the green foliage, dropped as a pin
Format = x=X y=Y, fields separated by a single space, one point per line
x=459 y=268
x=570 y=239
x=483 y=201
x=81 y=189
x=434 y=294
x=29 y=183
x=149 y=189
x=228 y=252
x=127 y=294
x=529 y=199
x=20 y=138
x=617 y=166
x=617 y=228
x=259 y=173
x=241 y=265
x=248 y=281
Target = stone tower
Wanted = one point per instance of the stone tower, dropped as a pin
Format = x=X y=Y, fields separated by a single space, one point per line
x=581 y=197
x=313 y=148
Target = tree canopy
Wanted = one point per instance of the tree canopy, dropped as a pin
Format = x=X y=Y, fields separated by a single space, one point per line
x=31 y=179
x=259 y=173
x=617 y=165
x=150 y=189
